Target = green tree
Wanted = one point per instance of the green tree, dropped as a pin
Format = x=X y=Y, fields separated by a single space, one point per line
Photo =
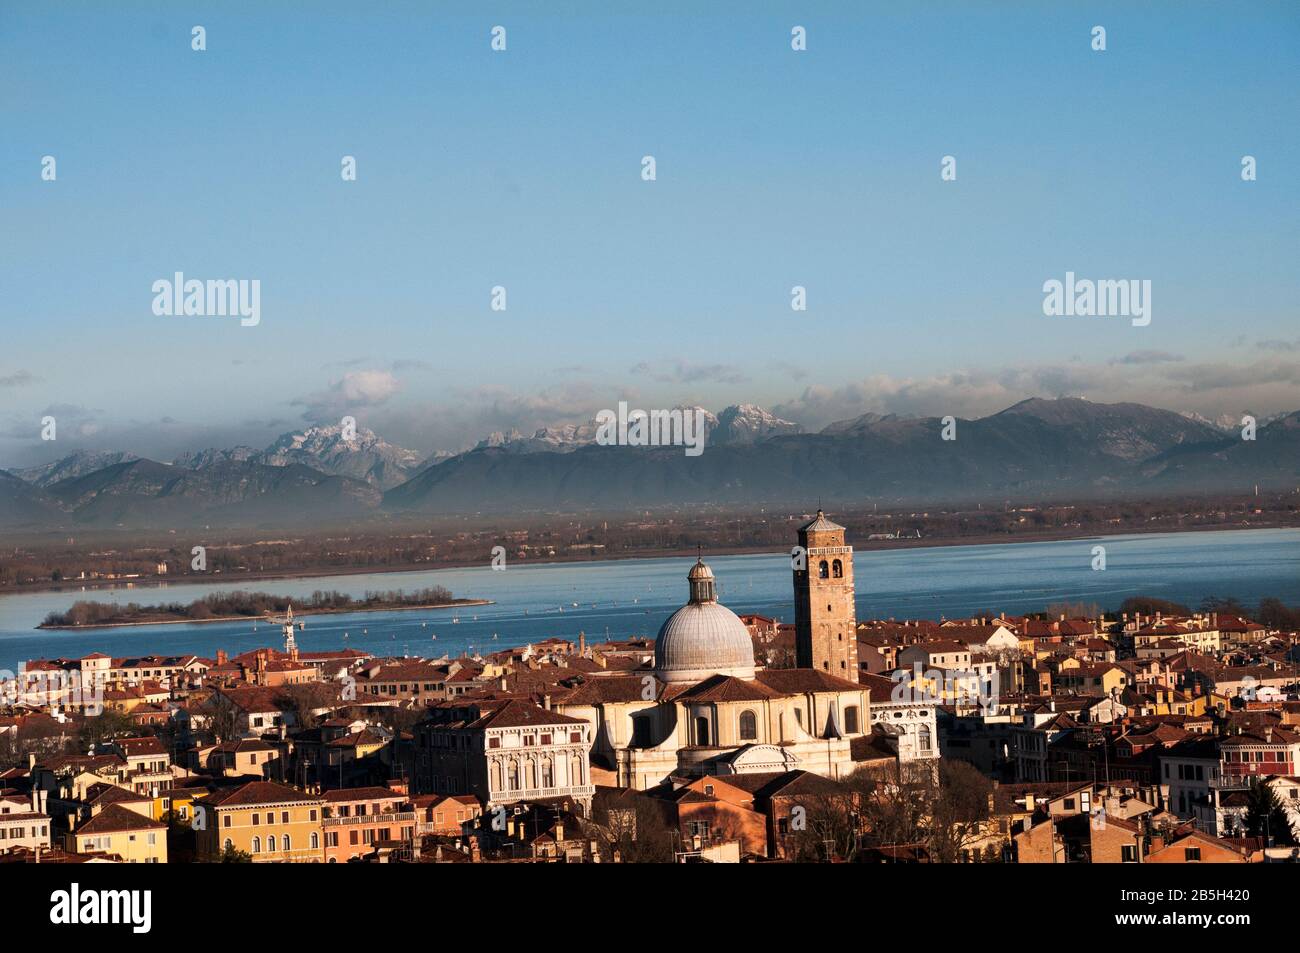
x=1266 y=816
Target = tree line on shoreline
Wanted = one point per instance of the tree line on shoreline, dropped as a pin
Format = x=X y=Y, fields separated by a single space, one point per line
x=243 y=604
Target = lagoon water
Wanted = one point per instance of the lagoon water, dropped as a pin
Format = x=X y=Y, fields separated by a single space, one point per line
x=631 y=597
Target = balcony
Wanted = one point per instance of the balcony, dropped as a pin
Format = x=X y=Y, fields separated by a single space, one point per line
x=537 y=794
x=358 y=819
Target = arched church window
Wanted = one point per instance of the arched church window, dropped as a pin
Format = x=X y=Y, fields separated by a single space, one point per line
x=851 y=719
x=823 y=570
x=748 y=726
x=837 y=569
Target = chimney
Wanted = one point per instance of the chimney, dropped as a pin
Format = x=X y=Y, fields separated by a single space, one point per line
x=36 y=801
x=559 y=831
x=546 y=702
x=474 y=855
x=31 y=761
x=45 y=800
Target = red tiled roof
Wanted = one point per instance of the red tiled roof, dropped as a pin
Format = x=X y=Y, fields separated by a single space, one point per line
x=115 y=818
x=259 y=792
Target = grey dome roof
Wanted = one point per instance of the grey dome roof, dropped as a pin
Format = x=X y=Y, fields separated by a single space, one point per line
x=703 y=637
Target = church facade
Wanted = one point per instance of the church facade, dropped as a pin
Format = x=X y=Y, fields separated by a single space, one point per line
x=708 y=709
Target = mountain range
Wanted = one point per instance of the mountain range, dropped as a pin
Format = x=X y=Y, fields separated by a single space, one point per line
x=1038 y=448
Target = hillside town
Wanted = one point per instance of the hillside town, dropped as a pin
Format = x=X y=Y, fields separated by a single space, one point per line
x=1154 y=735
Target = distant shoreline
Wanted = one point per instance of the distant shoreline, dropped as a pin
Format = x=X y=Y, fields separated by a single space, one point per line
x=935 y=542
x=455 y=604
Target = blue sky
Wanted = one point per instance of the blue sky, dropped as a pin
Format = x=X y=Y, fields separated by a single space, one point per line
x=522 y=169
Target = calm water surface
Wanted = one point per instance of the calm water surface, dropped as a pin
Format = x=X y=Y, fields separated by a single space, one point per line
x=623 y=598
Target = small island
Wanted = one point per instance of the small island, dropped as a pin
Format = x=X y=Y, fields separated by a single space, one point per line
x=242 y=605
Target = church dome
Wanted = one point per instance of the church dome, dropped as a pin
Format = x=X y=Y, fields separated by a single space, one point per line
x=703 y=637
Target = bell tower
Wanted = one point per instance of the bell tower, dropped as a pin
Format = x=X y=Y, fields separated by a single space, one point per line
x=825 y=619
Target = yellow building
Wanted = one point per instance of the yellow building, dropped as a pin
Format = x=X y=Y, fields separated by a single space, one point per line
x=271 y=822
x=133 y=837
x=174 y=800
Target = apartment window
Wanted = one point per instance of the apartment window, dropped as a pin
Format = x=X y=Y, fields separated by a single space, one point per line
x=1192 y=855
x=257 y=845
x=312 y=814
x=494 y=742
x=575 y=737
x=315 y=841
x=257 y=819
x=225 y=821
x=284 y=817
x=1128 y=854
x=700 y=829
x=270 y=844
x=546 y=739
x=287 y=845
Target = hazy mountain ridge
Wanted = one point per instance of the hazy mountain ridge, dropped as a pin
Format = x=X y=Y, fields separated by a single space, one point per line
x=1034 y=449
x=365 y=456
x=739 y=423
x=1047 y=448
x=76 y=464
